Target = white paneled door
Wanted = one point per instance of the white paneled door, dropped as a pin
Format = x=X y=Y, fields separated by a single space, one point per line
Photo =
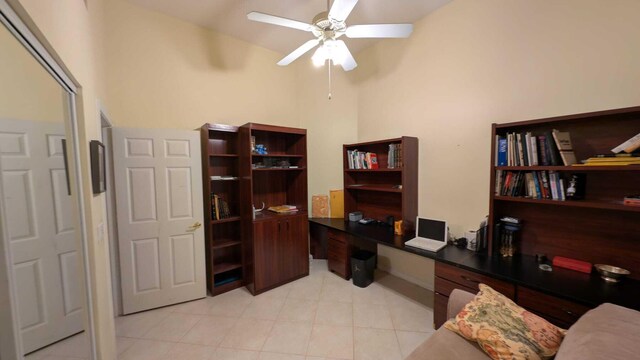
x=41 y=227
x=159 y=204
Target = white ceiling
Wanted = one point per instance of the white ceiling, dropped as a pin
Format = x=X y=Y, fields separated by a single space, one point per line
x=229 y=17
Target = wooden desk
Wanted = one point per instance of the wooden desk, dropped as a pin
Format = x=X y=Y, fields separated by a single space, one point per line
x=560 y=296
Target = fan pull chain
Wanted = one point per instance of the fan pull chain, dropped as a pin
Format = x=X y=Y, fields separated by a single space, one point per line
x=329 y=67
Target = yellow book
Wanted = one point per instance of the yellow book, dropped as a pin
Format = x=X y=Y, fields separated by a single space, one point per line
x=336 y=201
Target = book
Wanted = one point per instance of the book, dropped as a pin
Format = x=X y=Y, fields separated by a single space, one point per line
x=283 y=209
x=628 y=146
x=502 y=152
x=519 y=144
x=533 y=145
x=572 y=264
x=544 y=160
x=554 y=156
x=373 y=158
x=565 y=148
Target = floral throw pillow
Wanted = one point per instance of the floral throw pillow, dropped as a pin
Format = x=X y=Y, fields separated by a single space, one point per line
x=504 y=330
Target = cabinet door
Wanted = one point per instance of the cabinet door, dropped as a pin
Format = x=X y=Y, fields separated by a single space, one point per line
x=267 y=255
x=295 y=247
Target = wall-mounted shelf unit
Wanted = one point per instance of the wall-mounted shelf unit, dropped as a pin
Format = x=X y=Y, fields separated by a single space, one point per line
x=384 y=191
x=598 y=228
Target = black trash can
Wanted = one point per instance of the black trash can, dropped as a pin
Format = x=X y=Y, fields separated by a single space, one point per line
x=363 y=264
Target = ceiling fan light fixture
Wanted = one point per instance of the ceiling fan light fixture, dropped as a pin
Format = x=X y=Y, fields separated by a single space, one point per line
x=320 y=56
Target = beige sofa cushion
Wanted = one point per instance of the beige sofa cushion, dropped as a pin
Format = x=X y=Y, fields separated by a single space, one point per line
x=447 y=345
x=607 y=332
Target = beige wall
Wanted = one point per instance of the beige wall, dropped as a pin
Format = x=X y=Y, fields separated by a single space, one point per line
x=27 y=90
x=329 y=123
x=472 y=63
x=74 y=30
x=166 y=73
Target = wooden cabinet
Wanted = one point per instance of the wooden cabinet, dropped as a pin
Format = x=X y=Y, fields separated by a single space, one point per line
x=339 y=254
x=558 y=311
x=382 y=192
x=277 y=245
x=449 y=277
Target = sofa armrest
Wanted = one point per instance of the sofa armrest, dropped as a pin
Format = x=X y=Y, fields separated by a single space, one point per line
x=457 y=300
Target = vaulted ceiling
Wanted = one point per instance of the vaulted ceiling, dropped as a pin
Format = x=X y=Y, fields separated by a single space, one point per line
x=229 y=17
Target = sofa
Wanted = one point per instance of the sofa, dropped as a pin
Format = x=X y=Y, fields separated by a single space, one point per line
x=607 y=332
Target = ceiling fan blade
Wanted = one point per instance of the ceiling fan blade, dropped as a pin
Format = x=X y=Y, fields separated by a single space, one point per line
x=341 y=9
x=277 y=20
x=380 y=31
x=348 y=63
x=295 y=54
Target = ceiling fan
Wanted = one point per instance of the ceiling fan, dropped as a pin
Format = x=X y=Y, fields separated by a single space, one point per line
x=328 y=27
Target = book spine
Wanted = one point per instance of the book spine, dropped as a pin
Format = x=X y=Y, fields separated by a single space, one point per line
x=552 y=185
x=563 y=195
x=553 y=150
x=536 y=182
x=502 y=152
x=534 y=149
x=496 y=189
x=544 y=160
x=525 y=149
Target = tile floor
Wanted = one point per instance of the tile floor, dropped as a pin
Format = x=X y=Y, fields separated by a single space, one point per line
x=318 y=317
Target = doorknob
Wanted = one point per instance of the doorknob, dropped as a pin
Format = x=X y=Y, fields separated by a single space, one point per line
x=196 y=225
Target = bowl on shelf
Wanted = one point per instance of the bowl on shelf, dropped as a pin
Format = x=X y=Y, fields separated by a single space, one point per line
x=611 y=273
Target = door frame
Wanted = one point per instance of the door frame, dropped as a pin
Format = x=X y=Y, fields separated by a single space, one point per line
x=24 y=34
x=105 y=124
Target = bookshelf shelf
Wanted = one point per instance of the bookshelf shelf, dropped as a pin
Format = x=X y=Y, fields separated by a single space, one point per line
x=570 y=168
x=277 y=155
x=382 y=188
x=592 y=204
x=227 y=220
x=372 y=191
x=224 y=155
x=279 y=169
x=225 y=243
x=373 y=170
x=224 y=267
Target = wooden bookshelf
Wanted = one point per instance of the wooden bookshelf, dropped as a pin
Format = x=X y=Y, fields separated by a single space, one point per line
x=277 y=246
x=375 y=192
x=224 y=255
x=598 y=228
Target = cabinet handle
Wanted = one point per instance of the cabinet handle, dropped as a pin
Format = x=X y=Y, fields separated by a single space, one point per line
x=469 y=279
x=569 y=312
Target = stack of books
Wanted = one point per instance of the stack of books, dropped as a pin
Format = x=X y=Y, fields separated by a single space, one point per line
x=219 y=208
x=362 y=160
x=552 y=148
x=628 y=146
x=530 y=184
x=284 y=209
x=394 y=158
x=612 y=160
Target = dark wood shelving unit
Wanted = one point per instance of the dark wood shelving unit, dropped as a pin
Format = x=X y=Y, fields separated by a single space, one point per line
x=224 y=253
x=276 y=245
x=597 y=229
x=372 y=190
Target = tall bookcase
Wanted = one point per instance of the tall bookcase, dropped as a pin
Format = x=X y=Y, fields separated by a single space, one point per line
x=385 y=191
x=224 y=245
x=277 y=247
x=598 y=228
